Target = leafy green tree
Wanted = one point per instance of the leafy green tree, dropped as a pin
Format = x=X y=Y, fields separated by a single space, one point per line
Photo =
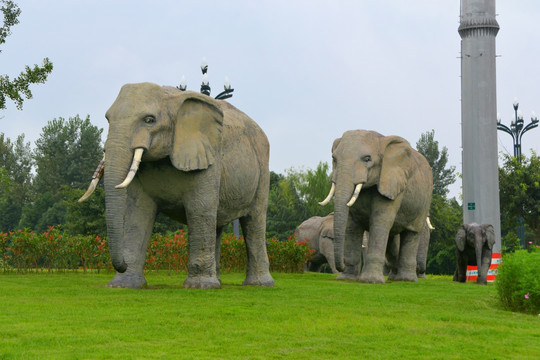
x=443 y=175
x=446 y=216
x=313 y=186
x=285 y=208
x=66 y=153
x=16 y=166
x=519 y=188
x=19 y=87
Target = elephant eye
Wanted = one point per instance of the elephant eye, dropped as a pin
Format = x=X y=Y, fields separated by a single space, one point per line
x=366 y=158
x=149 y=119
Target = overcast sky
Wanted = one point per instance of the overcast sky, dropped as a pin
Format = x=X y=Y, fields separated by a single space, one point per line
x=306 y=71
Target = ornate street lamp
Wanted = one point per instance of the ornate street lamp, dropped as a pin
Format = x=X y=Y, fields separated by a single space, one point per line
x=205 y=85
x=516 y=129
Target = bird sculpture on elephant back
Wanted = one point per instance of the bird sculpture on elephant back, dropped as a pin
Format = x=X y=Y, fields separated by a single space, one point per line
x=382 y=185
x=474 y=245
x=198 y=160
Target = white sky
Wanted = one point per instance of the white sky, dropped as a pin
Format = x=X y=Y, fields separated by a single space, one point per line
x=306 y=71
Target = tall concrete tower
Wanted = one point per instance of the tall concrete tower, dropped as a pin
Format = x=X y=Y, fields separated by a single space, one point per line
x=478 y=29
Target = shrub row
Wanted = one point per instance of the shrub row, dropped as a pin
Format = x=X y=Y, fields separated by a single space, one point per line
x=53 y=250
x=518 y=281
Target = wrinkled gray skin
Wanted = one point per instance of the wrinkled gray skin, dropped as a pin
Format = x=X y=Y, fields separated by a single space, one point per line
x=205 y=163
x=474 y=245
x=319 y=233
x=392 y=254
x=395 y=198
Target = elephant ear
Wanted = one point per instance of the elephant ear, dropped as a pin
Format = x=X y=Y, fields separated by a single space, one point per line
x=396 y=164
x=197 y=134
x=461 y=237
x=490 y=235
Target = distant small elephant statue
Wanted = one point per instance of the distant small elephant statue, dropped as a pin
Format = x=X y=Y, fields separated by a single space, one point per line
x=474 y=245
x=319 y=233
x=199 y=161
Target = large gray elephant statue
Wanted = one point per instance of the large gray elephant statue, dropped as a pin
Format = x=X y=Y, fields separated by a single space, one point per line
x=319 y=233
x=198 y=160
x=382 y=185
x=474 y=245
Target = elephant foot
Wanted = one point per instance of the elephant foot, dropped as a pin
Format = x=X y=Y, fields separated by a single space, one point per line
x=372 y=278
x=481 y=281
x=128 y=280
x=405 y=276
x=346 y=276
x=421 y=276
x=202 y=282
x=261 y=280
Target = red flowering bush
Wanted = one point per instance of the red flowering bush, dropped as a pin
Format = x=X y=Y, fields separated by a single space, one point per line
x=53 y=250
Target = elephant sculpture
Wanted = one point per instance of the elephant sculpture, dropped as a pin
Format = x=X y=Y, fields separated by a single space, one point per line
x=319 y=233
x=382 y=185
x=199 y=161
x=474 y=245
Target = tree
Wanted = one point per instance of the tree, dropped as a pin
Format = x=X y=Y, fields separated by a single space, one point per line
x=443 y=176
x=285 y=209
x=20 y=86
x=66 y=153
x=313 y=186
x=16 y=166
x=519 y=191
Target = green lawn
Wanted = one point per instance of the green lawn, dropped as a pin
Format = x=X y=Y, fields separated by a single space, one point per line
x=305 y=316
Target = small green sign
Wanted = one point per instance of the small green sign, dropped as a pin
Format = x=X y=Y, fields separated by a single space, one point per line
x=471 y=206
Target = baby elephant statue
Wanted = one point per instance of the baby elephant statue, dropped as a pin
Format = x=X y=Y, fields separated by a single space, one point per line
x=319 y=232
x=474 y=244
x=198 y=160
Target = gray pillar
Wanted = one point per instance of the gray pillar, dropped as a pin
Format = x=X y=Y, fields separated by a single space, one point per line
x=478 y=29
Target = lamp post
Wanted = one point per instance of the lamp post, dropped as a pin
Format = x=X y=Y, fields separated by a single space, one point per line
x=516 y=129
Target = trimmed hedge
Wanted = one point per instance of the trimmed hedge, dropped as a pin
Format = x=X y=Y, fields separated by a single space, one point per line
x=53 y=250
x=518 y=281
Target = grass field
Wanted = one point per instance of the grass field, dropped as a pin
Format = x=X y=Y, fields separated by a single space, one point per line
x=305 y=316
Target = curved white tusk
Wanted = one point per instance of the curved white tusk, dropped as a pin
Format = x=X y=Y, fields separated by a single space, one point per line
x=132 y=170
x=95 y=180
x=90 y=190
x=429 y=224
x=330 y=195
x=354 y=195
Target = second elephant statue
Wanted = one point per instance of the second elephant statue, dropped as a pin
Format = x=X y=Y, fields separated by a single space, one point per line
x=382 y=185
x=198 y=160
x=318 y=231
x=474 y=245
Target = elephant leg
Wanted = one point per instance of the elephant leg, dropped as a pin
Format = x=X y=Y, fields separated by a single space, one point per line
x=461 y=269
x=392 y=256
x=326 y=246
x=258 y=266
x=352 y=255
x=383 y=213
x=408 y=250
x=138 y=228
x=421 y=257
x=219 y=234
x=484 y=268
x=202 y=272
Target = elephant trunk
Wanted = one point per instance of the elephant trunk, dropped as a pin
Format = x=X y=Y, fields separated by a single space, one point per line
x=342 y=198
x=116 y=167
x=478 y=250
